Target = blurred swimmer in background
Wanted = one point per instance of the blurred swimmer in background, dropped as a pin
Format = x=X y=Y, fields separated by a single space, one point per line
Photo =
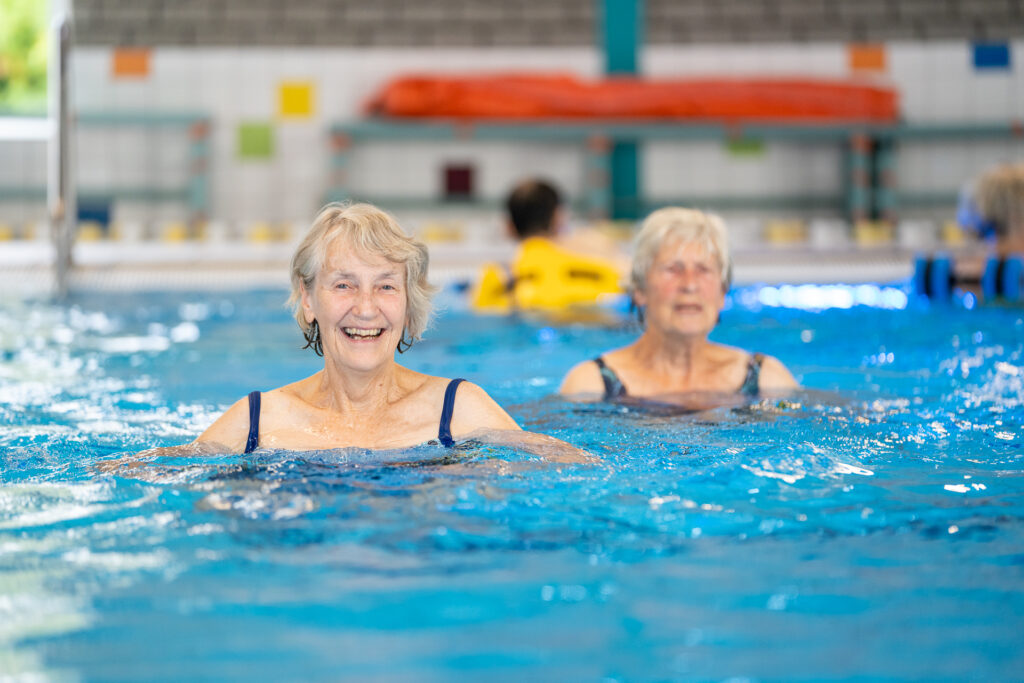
x=681 y=272
x=993 y=207
x=552 y=273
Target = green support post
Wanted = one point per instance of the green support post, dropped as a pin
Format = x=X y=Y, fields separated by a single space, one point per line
x=622 y=32
x=858 y=177
x=199 y=172
x=598 y=172
x=884 y=181
x=341 y=149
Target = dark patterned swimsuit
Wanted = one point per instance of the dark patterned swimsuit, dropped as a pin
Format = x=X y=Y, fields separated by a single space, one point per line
x=444 y=430
x=614 y=388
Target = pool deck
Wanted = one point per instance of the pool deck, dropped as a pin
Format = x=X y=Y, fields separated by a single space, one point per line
x=26 y=267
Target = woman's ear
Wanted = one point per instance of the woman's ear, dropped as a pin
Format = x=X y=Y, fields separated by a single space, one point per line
x=639 y=300
x=307 y=303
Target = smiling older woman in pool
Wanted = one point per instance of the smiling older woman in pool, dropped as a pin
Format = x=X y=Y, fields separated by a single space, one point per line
x=681 y=272
x=359 y=293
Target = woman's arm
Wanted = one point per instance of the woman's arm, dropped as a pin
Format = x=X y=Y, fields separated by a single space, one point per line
x=479 y=416
x=226 y=435
x=541 y=445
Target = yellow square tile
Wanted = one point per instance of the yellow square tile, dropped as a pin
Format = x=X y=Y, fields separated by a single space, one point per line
x=295 y=99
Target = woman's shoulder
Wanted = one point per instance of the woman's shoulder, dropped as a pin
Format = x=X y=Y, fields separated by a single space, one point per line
x=229 y=430
x=774 y=374
x=474 y=409
x=583 y=378
x=587 y=377
x=421 y=386
x=723 y=354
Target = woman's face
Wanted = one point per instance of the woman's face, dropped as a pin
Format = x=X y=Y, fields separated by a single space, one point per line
x=683 y=295
x=359 y=302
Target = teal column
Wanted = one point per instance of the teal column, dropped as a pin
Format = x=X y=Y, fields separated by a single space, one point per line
x=341 y=152
x=883 y=183
x=858 y=178
x=622 y=37
x=198 y=190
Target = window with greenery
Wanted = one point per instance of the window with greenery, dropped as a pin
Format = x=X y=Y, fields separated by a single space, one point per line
x=23 y=56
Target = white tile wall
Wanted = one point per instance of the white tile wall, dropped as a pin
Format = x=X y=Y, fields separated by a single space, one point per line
x=706 y=168
x=813 y=59
x=936 y=81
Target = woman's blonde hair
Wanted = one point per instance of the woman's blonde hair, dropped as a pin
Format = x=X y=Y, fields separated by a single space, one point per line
x=1000 y=198
x=369 y=230
x=673 y=225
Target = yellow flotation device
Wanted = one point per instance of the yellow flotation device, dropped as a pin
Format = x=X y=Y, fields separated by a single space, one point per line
x=544 y=277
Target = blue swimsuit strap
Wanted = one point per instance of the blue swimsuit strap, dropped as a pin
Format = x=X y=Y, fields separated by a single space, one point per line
x=444 y=431
x=752 y=382
x=613 y=386
x=254 y=422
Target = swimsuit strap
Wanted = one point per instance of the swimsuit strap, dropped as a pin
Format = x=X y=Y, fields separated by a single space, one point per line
x=254 y=422
x=444 y=431
x=613 y=386
x=752 y=382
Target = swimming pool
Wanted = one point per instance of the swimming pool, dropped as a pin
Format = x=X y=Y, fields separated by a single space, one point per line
x=870 y=528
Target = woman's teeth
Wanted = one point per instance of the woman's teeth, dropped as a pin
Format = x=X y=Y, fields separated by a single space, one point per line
x=358 y=333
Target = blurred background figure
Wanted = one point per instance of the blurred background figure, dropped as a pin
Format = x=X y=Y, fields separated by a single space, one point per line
x=991 y=210
x=994 y=207
x=681 y=272
x=547 y=274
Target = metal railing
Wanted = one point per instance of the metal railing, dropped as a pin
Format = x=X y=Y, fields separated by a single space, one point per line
x=60 y=194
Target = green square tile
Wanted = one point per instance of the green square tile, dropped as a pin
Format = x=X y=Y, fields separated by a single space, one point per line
x=745 y=147
x=255 y=141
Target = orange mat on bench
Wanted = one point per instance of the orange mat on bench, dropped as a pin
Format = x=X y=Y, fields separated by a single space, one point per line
x=532 y=96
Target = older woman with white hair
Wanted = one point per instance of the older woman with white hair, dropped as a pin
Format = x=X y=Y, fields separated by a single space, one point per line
x=359 y=294
x=681 y=272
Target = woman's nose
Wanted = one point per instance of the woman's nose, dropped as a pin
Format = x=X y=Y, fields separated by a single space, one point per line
x=688 y=280
x=365 y=302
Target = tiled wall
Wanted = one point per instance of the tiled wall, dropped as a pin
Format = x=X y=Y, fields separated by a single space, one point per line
x=240 y=85
x=937 y=82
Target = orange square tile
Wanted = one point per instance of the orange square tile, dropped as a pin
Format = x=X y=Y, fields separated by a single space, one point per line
x=866 y=57
x=131 y=62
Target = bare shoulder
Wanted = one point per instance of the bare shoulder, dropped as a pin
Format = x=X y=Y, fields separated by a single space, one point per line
x=474 y=409
x=583 y=378
x=231 y=429
x=775 y=375
x=725 y=356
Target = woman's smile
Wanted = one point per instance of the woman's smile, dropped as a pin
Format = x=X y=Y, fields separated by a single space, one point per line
x=363 y=333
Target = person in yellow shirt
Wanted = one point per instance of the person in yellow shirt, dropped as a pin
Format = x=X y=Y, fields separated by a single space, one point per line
x=545 y=276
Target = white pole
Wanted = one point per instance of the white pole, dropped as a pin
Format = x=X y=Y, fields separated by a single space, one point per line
x=60 y=192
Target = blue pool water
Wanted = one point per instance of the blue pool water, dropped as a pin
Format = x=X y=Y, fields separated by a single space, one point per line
x=869 y=528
